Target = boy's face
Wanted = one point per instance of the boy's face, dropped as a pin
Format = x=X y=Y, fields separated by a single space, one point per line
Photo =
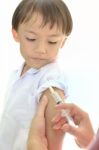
x=38 y=45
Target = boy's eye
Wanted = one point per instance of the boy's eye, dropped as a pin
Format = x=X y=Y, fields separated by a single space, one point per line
x=29 y=39
x=52 y=42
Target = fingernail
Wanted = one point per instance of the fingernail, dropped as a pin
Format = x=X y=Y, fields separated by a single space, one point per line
x=65 y=127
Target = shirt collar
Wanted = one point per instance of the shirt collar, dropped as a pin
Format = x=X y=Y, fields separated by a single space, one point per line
x=31 y=71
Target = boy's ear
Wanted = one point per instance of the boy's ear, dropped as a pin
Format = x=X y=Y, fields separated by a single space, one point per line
x=63 y=42
x=15 y=35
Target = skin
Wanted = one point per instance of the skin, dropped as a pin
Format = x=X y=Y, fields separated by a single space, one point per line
x=40 y=46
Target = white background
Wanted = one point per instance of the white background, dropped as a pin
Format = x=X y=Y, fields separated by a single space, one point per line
x=79 y=58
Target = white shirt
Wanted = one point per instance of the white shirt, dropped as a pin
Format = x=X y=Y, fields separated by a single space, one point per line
x=23 y=96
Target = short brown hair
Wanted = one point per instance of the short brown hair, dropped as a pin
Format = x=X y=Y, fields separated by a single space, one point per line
x=53 y=12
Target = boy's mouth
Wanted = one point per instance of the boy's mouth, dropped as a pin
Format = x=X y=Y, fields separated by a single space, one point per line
x=37 y=58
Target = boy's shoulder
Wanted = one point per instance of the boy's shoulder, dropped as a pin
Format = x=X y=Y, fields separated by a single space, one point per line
x=52 y=71
x=52 y=75
x=52 y=68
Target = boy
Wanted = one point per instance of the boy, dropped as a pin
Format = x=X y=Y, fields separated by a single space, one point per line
x=41 y=28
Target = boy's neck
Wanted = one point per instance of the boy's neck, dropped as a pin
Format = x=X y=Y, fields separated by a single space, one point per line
x=25 y=68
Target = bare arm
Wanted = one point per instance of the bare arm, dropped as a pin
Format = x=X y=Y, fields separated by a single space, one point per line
x=54 y=137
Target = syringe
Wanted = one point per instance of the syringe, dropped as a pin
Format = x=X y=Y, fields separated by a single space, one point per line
x=58 y=100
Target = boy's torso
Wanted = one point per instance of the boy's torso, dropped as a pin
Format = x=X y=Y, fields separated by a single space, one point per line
x=22 y=103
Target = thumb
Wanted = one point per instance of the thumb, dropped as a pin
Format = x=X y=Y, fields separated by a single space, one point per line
x=42 y=106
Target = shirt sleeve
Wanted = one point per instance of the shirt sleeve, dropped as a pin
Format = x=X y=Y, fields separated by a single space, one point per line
x=53 y=77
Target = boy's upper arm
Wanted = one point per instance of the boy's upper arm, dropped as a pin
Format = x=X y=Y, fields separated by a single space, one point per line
x=54 y=137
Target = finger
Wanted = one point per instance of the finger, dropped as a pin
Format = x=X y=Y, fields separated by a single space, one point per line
x=42 y=106
x=73 y=109
x=57 y=117
x=64 y=106
x=59 y=124
x=71 y=130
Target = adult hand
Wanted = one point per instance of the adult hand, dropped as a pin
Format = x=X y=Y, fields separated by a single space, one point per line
x=37 y=139
x=82 y=131
x=95 y=143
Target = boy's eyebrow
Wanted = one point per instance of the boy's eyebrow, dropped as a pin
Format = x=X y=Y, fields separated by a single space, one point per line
x=29 y=31
x=52 y=35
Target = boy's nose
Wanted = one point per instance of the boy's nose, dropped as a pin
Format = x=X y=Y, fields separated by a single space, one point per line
x=41 y=48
